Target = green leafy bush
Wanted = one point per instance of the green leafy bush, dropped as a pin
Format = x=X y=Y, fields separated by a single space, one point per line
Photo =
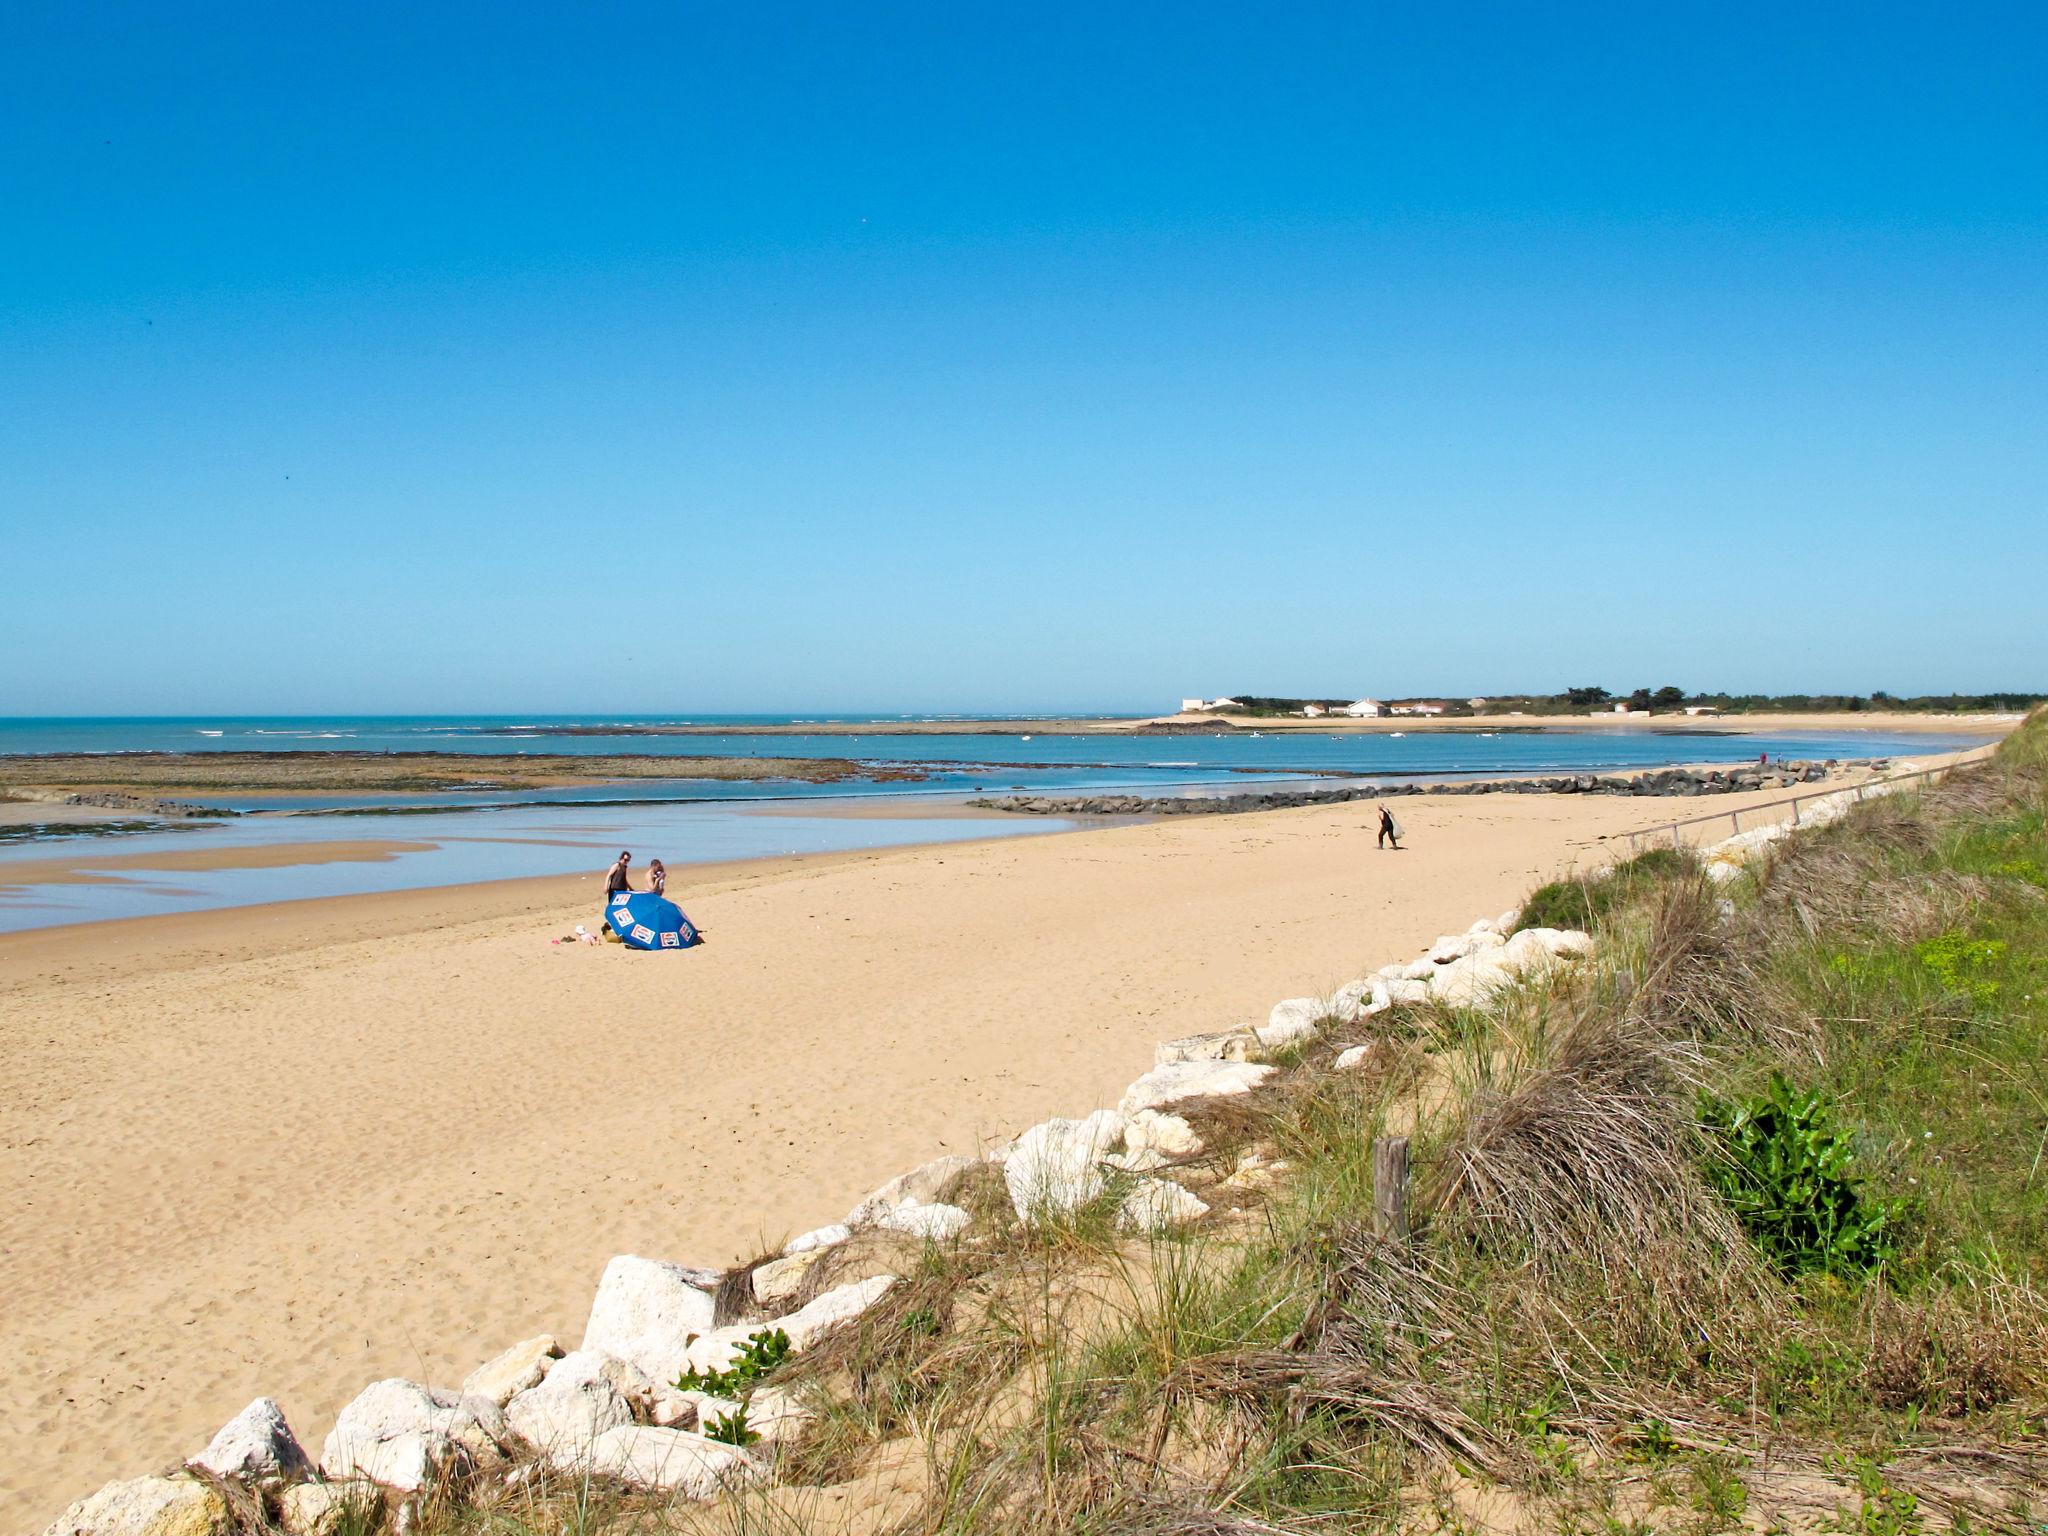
x=759 y=1355
x=731 y=1428
x=1785 y=1169
x=1582 y=903
x=1560 y=904
x=1959 y=962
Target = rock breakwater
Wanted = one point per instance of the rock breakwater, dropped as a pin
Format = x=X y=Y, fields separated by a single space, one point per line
x=1664 y=781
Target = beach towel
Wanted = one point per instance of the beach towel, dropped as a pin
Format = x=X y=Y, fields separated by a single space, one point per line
x=643 y=920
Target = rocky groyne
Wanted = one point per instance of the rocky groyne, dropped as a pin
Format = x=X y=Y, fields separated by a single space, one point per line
x=1664 y=781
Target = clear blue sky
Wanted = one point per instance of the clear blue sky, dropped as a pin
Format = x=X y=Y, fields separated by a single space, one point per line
x=445 y=357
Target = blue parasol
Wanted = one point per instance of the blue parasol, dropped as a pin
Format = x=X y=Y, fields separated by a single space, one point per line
x=643 y=920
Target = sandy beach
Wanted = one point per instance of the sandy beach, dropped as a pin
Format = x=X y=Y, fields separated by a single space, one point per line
x=292 y=1149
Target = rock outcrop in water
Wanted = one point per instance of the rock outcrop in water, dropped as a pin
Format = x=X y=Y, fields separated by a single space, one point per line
x=1664 y=781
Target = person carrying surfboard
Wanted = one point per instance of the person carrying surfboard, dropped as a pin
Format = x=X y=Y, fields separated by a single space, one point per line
x=1390 y=830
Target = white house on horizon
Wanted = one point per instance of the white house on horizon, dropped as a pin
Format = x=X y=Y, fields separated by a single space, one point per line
x=1364 y=709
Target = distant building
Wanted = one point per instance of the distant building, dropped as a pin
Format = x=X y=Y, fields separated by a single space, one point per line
x=1623 y=709
x=1703 y=709
x=1225 y=704
x=1314 y=711
x=1192 y=706
x=1365 y=709
x=1475 y=703
x=1420 y=707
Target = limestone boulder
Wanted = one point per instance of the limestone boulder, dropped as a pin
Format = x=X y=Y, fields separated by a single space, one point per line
x=1192 y=1080
x=646 y=1313
x=147 y=1506
x=583 y=1394
x=505 y=1376
x=921 y=1186
x=1291 y=1021
x=816 y=1238
x=1404 y=991
x=1226 y=1045
x=828 y=1313
x=673 y=1461
x=1056 y=1167
x=805 y=1327
x=1153 y=1130
x=1469 y=982
x=1155 y=1205
x=778 y=1282
x=406 y=1436
x=1352 y=1058
x=256 y=1445
x=935 y=1222
x=316 y=1509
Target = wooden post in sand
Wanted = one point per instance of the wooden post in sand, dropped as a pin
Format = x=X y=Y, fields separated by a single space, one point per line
x=1390 y=1188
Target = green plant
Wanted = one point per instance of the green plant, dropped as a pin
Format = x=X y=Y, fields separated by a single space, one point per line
x=762 y=1352
x=1958 y=962
x=1784 y=1168
x=1560 y=904
x=1881 y=1509
x=731 y=1428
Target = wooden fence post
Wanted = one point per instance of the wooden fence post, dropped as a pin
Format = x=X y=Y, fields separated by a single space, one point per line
x=1390 y=1188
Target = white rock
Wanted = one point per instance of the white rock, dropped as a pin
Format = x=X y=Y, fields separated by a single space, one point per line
x=1419 y=970
x=1347 y=1001
x=717 y=1350
x=1292 y=1020
x=834 y=1310
x=1153 y=1205
x=1351 y=1059
x=1484 y=925
x=773 y=1413
x=256 y=1444
x=1449 y=947
x=404 y=1435
x=777 y=1282
x=583 y=1395
x=646 y=1313
x=1572 y=942
x=1407 y=991
x=1192 y=1080
x=1055 y=1167
x=1468 y=982
x=146 y=1506
x=1228 y=1045
x=776 y=1415
x=1393 y=972
x=935 y=1222
x=1505 y=923
x=314 y=1509
x=920 y=1186
x=1142 y=1160
x=675 y=1461
x=505 y=1376
x=1168 y=1135
x=817 y=1237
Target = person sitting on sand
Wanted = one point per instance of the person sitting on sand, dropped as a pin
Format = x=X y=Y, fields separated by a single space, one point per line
x=657 y=878
x=1390 y=830
x=619 y=877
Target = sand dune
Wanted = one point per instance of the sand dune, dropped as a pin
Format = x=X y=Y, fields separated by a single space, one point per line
x=295 y=1149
